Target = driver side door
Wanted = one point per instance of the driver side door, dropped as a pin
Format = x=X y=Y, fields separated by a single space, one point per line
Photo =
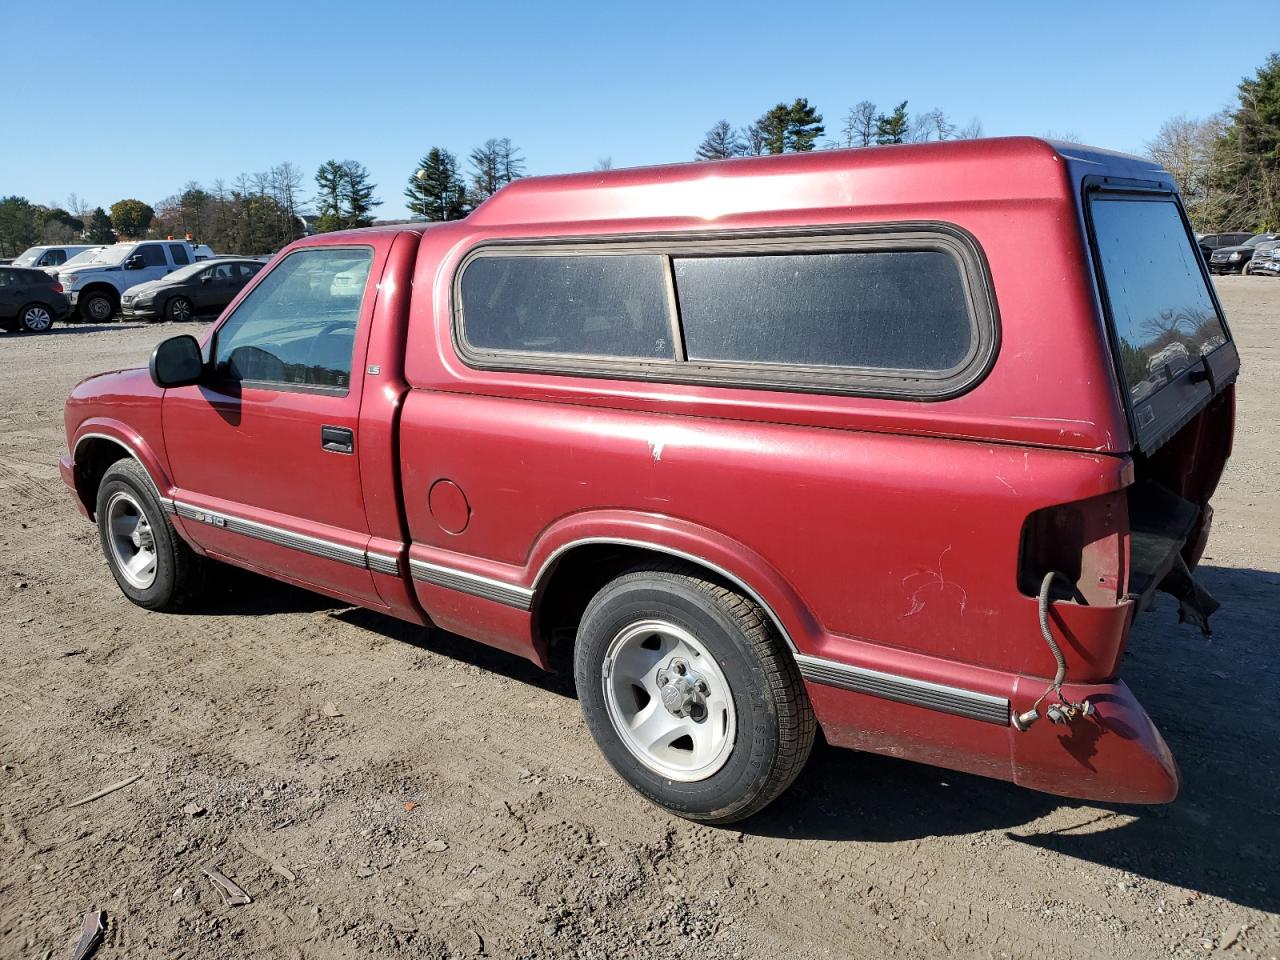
x=263 y=452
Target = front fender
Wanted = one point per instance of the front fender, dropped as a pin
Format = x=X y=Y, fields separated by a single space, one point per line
x=133 y=442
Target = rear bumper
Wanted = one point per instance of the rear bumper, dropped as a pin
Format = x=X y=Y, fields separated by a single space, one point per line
x=1115 y=756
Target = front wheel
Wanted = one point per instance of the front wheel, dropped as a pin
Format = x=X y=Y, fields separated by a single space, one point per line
x=691 y=694
x=35 y=318
x=97 y=307
x=153 y=565
x=178 y=310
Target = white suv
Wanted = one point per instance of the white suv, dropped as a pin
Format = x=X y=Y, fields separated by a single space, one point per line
x=94 y=286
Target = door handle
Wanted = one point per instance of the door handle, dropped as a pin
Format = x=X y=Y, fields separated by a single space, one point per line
x=337 y=439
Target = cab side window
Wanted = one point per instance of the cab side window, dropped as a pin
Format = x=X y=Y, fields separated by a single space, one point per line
x=179 y=253
x=152 y=255
x=53 y=258
x=296 y=329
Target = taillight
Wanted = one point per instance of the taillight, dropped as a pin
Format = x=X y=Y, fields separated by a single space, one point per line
x=57 y=287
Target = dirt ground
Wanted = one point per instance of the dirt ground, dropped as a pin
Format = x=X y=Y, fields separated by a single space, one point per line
x=383 y=791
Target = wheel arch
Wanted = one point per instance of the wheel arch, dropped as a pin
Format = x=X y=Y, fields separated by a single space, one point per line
x=574 y=563
x=97 y=447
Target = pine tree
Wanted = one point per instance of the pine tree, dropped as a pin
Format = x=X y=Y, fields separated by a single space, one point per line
x=1246 y=182
x=773 y=128
x=329 y=208
x=804 y=126
x=100 y=227
x=789 y=128
x=894 y=127
x=358 y=194
x=435 y=190
x=721 y=143
x=344 y=198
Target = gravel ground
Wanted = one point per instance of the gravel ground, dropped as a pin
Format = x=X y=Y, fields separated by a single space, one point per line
x=383 y=791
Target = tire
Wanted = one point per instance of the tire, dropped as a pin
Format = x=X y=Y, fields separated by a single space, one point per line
x=174 y=574
x=178 y=310
x=97 y=307
x=751 y=734
x=35 y=318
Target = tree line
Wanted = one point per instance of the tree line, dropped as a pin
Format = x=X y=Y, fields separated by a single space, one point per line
x=1227 y=166
x=259 y=213
x=796 y=127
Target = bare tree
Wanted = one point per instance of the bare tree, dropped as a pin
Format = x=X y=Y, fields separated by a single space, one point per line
x=971 y=130
x=604 y=163
x=1185 y=147
x=859 y=129
x=755 y=140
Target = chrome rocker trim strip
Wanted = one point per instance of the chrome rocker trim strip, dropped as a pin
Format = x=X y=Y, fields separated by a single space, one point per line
x=888 y=686
x=918 y=693
x=484 y=587
x=383 y=563
x=327 y=549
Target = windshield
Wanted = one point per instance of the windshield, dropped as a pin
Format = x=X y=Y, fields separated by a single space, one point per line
x=83 y=257
x=1164 y=316
x=28 y=257
x=116 y=253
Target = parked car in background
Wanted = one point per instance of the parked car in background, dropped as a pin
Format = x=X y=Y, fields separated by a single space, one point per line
x=1266 y=259
x=1209 y=242
x=95 y=286
x=50 y=255
x=204 y=287
x=84 y=256
x=816 y=462
x=30 y=300
x=1236 y=259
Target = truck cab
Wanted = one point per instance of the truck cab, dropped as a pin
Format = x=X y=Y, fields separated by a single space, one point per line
x=751 y=448
x=96 y=285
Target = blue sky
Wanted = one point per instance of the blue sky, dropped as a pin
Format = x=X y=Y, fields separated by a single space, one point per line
x=120 y=99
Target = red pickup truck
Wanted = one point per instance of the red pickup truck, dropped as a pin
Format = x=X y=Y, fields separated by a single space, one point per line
x=892 y=442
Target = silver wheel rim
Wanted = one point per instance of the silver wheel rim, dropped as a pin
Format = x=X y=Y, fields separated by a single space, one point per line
x=669 y=701
x=181 y=310
x=99 y=308
x=38 y=319
x=132 y=541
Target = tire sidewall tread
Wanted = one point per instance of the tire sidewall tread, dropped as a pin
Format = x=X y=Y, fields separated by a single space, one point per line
x=178 y=568
x=775 y=723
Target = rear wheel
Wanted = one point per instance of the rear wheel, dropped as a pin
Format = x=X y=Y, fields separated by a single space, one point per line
x=153 y=566
x=178 y=310
x=35 y=318
x=691 y=694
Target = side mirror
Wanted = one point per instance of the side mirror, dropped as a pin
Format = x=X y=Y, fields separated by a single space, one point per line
x=134 y=262
x=206 y=278
x=177 y=362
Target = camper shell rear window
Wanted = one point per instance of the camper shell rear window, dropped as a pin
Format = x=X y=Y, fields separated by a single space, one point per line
x=1173 y=351
x=898 y=311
